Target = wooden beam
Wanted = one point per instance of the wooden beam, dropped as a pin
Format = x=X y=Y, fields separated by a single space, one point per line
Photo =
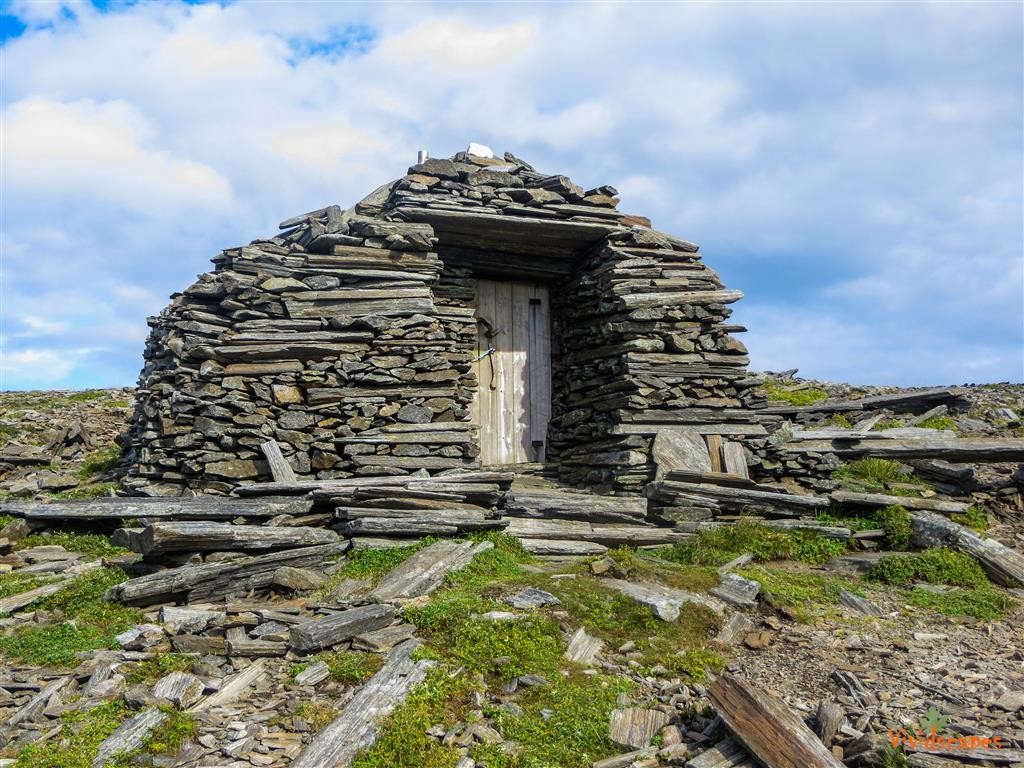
x=280 y=469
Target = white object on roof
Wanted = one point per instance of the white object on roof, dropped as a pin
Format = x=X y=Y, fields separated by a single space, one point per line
x=480 y=150
x=422 y=156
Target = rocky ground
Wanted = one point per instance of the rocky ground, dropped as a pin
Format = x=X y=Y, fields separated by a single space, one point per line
x=524 y=661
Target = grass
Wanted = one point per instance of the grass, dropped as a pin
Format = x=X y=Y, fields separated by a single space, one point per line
x=349 y=667
x=82 y=732
x=95 y=622
x=935 y=566
x=873 y=471
x=90 y=491
x=974 y=596
x=100 y=462
x=801 y=594
x=808 y=396
x=975 y=517
x=720 y=545
x=151 y=670
x=319 y=716
x=92 y=544
x=939 y=422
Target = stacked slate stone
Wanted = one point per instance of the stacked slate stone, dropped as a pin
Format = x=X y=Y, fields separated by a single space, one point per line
x=349 y=338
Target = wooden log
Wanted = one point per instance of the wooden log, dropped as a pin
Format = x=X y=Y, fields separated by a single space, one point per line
x=664 y=602
x=967 y=449
x=14 y=603
x=195 y=583
x=1005 y=566
x=424 y=571
x=153 y=508
x=878 y=500
x=195 y=536
x=921 y=399
x=280 y=469
x=328 y=631
x=773 y=734
x=356 y=728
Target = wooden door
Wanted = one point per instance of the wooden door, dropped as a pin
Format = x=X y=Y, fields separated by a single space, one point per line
x=513 y=368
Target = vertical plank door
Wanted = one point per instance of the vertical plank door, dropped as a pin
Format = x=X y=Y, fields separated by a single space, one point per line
x=513 y=401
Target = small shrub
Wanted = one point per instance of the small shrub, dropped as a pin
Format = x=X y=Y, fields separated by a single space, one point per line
x=935 y=566
x=895 y=522
x=172 y=733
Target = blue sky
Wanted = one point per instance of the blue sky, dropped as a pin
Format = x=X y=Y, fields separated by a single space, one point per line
x=856 y=169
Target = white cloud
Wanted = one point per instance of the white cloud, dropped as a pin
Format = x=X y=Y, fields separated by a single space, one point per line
x=857 y=168
x=88 y=148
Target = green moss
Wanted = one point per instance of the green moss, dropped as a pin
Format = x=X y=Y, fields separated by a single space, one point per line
x=802 y=593
x=349 y=667
x=81 y=734
x=939 y=422
x=93 y=544
x=807 y=396
x=100 y=462
x=840 y=420
x=975 y=517
x=151 y=670
x=575 y=733
x=935 y=566
x=403 y=741
x=87 y=396
x=94 y=622
x=895 y=521
x=885 y=424
x=983 y=603
x=720 y=545
x=318 y=715
x=90 y=491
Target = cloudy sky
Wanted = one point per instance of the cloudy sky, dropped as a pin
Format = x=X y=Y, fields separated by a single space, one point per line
x=856 y=169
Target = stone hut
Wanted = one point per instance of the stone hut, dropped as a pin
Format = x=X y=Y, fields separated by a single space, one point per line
x=474 y=313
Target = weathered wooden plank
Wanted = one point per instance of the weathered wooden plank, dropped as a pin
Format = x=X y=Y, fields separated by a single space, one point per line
x=280 y=469
x=177 y=508
x=328 y=631
x=196 y=536
x=356 y=728
x=734 y=459
x=540 y=370
x=424 y=571
x=210 y=580
x=877 y=500
x=769 y=729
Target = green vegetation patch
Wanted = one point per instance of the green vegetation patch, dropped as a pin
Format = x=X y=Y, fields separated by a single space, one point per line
x=317 y=714
x=100 y=462
x=840 y=420
x=983 y=603
x=92 y=544
x=872 y=470
x=93 y=625
x=349 y=667
x=87 y=396
x=939 y=422
x=15 y=584
x=90 y=491
x=151 y=670
x=935 y=566
x=802 y=594
x=720 y=545
x=895 y=521
x=975 y=517
x=82 y=732
x=884 y=424
x=804 y=396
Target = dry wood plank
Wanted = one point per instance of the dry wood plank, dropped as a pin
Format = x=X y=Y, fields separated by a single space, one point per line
x=769 y=729
x=280 y=469
x=540 y=370
x=1003 y=565
x=196 y=583
x=715 y=451
x=163 y=508
x=356 y=728
x=878 y=500
x=17 y=602
x=735 y=459
x=195 y=536
x=424 y=571
x=680 y=449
